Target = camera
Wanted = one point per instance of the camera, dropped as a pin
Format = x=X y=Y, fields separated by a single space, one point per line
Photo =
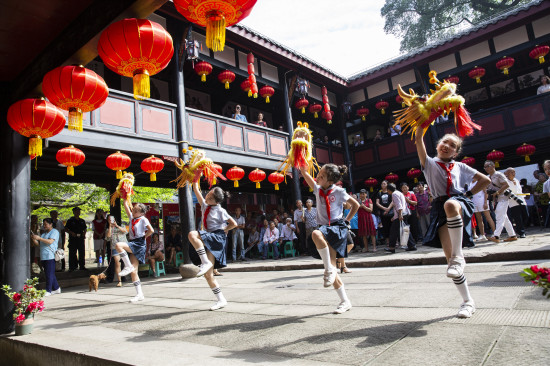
x=508 y=193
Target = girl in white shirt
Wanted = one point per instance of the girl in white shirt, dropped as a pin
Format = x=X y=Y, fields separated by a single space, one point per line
x=331 y=237
x=133 y=252
x=210 y=242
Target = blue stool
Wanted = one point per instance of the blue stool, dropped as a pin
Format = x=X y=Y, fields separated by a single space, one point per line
x=288 y=249
x=159 y=269
x=179 y=259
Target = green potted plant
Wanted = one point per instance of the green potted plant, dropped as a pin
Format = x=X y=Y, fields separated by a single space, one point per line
x=26 y=302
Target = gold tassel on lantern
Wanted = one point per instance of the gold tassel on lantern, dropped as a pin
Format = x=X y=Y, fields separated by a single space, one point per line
x=70 y=170
x=75 y=119
x=527 y=159
x=303 y=110
x=215 y=31
x=35 y=146
x=258 y=185
x=203 y=78
x=227 y=84
x=478 y=80
x=153 y=177
x=383 y=111
x=276 y=187
x=236 y=184
x=118 y=174
x=541 y=59
x=267 y=99
x=497 y=164
x=142 y=86
x=249 y=93
x=371 y=189
x=416 y=180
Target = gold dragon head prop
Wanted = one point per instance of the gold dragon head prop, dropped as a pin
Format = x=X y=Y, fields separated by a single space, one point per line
x=124 y=188
x=300 y=154
x=197 y=165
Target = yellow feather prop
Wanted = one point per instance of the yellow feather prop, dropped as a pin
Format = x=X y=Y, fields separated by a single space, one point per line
x=124 y=189
x=198 y=165
x=300 y=154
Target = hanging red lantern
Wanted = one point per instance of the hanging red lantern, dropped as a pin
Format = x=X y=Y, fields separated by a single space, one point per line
x=495 y=156
x=301 y=104
x=37 y=119
x=505 y=63
x=70 y=157
x=256 y=176
x=328 y=116
x=266 y=92
x=327 y=113
x=226 y=77
x=371 y=183
x=477 y=73
x=235 y=174
x=526 y=150
x=251 y=77
x=315 y=109
x=75 y=89
x=539 y=52
x=398 y=99
x=217 y=168
x=152 y=165
x=119 y=162
x=363 y=113
x=392 y=178
x=468 y=161
x=215 y=15
x=245 y=86
x=203 y=68
x=276 y=178
x=452 y=79
x=382 y=105
x=414 y=173
x=136 y=48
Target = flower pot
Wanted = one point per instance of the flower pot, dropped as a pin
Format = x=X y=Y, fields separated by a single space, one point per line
x=25 y=327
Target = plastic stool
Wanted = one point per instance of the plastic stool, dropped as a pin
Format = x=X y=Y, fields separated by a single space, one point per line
x=179 y=259
x=289 y=249
x=159 y=269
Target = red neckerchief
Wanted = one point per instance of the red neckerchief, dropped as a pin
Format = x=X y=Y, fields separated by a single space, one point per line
x=327 y=202
x=206 y=212
x=449 y=178
x=134 y=222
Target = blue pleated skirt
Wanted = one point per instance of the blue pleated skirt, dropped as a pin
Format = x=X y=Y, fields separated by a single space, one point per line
x=215 y=242
x=336 y=236
x=138 y=247
x=438 y=218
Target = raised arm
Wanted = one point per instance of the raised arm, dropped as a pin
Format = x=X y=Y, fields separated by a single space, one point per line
x=198 y=194
x=127 y=208
x=309 y=180
x=420 y=147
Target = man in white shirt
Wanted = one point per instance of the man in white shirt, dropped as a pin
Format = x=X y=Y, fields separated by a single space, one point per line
x=271 y=237
x=287 y=233
x=238 y=235
x=516 y=211
x=401 y=214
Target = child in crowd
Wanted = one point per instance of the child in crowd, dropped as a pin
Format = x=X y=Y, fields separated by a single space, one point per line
x=133 y=252
x=332 y=235
x=452 y=208
x=210 y=242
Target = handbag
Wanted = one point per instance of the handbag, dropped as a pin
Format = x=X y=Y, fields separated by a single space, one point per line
x=404 y=231
x=59 y=254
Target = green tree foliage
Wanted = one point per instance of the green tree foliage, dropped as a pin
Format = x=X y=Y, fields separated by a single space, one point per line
x=47 y=196
x=422 y=22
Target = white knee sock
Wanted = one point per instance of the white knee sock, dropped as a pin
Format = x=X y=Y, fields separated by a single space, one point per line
x=218 y=292
x=325 y=256
x=137 y=285
x=202 y=255
x=455 y=233
x=342 y=294
x=125 y=259
x=462 y=286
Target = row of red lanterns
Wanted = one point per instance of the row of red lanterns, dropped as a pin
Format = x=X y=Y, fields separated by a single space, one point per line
x=257 y=175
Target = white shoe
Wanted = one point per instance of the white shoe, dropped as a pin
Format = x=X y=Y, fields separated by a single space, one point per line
x=466 y=309
x=343 y=307
x=456 y=267
x=203 y=268
x=218 y=305
x=329 y=277
x=481 y=237
x=137 y=298
x=126 y=271
x=48 y=294
x=58 y=291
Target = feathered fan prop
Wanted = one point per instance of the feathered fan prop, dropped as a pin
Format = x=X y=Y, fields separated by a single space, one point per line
x=198 y=165
x=423 y=110
x=124 y=189
x=300 y=154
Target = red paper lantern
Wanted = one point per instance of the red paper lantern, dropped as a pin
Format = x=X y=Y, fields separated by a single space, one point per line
x=495 y=156
x=302 y=103
x=219 y=169
x=119 y=162
x=363 y=112
x=371 y=183
x=266 y=92
x=36 y=119
x=70 y=157
x=505 y=63
x=276 y=178
x=315 y=109
x=398 y=99
x=245 y=85
x=382 y=105
x=251 y=77
x=75 y=89
x=392 y=178
x=327 y=114
x=539 y=52
x=136 y=48
x=152 y=165
x=226 y=77
x=414 y=173
x=256 y=176
x=526 y=150
x=468 y=161
x=452 y=79
x=215 y=15
x=477 y=73
x=235 y=174
x=203 y=68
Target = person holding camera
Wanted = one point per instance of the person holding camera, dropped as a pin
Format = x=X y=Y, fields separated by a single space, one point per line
x=48 y=245
x=499 y=185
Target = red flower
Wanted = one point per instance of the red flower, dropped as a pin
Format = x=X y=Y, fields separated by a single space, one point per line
x=16 y=297
x=32 y=306
x=41 y=305
x=535 y=269
x=26 y=287
x=20 y=318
